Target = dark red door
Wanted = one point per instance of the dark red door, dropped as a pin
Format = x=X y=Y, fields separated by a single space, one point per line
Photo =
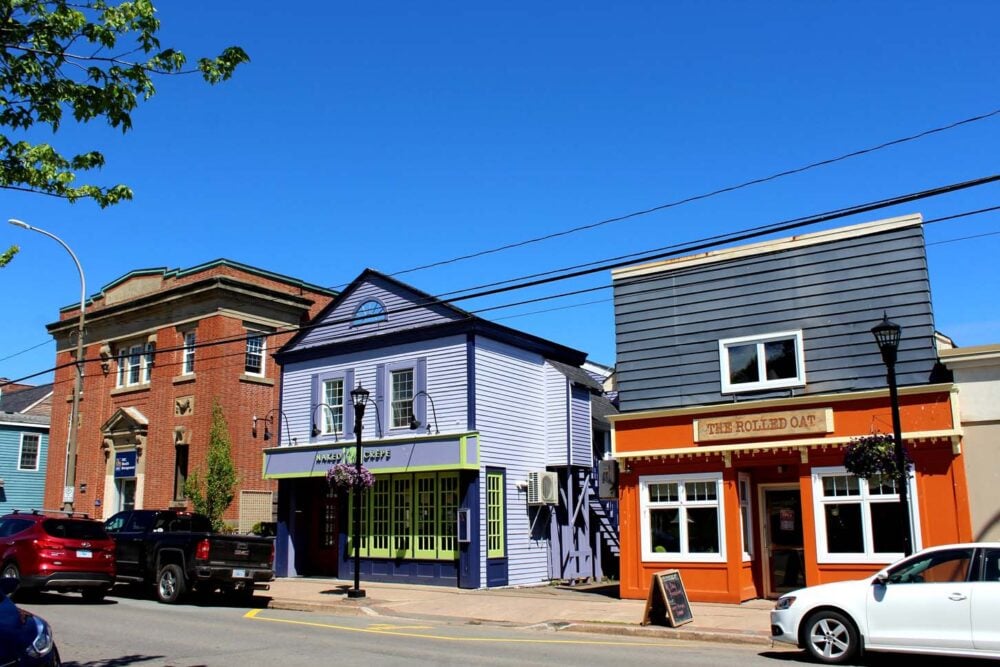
x=323 y=531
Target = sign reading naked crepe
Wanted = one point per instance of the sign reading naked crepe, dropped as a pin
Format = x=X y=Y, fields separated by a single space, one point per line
x=764 y=425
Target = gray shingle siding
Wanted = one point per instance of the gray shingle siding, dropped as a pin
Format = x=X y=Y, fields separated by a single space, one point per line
x=669 y=324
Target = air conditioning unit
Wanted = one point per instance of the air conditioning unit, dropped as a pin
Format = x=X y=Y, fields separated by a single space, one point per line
x=543 y=488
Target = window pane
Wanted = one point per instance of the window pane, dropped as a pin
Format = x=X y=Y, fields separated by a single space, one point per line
x=665 y=528
x=402 y=395
x=663 y=493
x=426 y=516
x=695 y=491
x=843 y=528
x=134 y=363
x=779 y=359
x=333 y=412
x=189 y=342
x=703 y=530
x=494 y=515
x=939 y=567
x=882 y=486
x=402 y=511
x=255 y=354
x=29 y=452
x=743 y=364
x=380 y=494
x=887 y=527
x=840 y=485
x=448 y=506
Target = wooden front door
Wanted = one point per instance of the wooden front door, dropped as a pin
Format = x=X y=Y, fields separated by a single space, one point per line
x=324 y=532
x=784 y=564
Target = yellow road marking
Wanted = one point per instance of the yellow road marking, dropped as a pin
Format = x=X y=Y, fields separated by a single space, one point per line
x=389 y=626
x=376 y=629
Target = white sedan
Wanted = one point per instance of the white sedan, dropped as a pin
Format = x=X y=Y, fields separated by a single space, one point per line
x=944 y=600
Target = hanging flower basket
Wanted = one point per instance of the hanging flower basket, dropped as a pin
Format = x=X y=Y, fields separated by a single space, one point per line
x=345 y=476
x=873 y=456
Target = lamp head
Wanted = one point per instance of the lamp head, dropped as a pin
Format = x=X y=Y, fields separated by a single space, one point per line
x=19 y=223
x=887 y=335
x=315 y=431
x=253 y=429
x=414 y=423
x=359 y=396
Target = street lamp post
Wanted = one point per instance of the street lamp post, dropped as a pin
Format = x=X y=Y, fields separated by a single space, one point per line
x=887 y=335
x=359 y=397
x=70 y=483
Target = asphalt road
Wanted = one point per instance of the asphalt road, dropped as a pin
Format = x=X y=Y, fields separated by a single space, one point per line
x=135 y=631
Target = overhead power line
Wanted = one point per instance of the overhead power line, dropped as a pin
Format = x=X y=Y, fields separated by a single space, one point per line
x=706 y=195
x=619 y=262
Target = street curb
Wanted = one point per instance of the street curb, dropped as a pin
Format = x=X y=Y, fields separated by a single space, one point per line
x=372 y=608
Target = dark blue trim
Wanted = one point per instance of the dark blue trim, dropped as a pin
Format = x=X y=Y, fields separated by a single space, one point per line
x=496 y=568
x=381 y=401
x=468 y=554
x=470 y=381
x=285 y=490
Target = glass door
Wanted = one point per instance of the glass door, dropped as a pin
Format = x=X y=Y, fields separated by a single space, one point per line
x=783 y=547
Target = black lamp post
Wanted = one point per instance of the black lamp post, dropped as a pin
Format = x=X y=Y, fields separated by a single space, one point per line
x=359 y=397
x=887 y=335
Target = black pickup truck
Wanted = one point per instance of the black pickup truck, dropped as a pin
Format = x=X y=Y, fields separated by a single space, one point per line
x=178 y=552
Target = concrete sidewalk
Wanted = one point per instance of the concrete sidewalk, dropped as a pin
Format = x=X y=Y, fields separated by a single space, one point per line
x=584 y=608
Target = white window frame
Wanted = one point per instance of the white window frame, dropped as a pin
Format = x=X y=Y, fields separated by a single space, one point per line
x=823 y=554
x=392 y=394
x=135 y=364
x=800 y=364
x=682 y=503
x=38 y=452
x=251 y=334
x=327 y=421
x=743 y=489
x=188 y=355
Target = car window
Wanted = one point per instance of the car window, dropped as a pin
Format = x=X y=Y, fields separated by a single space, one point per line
x=991 y=565
x=74 y=529
x=139 y=522
x=116 y=523
x=12 y=526
x=938 y=567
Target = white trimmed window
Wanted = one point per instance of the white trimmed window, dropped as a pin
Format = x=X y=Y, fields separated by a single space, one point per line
x=28 y=458
x=753 y=363
x=256 y=347
x=333 y=411
x=369 y=312
x=187 y=368
x=135 y=364
x=746 y=523
x=682 y=517
x=857 y=520
x=401 y=390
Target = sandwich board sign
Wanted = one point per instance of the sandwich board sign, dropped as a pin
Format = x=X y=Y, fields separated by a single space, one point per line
x=667 y=602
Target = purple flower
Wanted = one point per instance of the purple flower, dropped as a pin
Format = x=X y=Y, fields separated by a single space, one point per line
x=874 y=455
x=345 y=476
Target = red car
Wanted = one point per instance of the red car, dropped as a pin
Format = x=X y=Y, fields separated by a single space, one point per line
x=57 y=551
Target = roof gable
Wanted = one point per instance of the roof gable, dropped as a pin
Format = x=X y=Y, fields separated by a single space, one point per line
x=403 y=308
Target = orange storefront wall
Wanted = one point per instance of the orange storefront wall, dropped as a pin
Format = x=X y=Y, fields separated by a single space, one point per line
x=940 y=488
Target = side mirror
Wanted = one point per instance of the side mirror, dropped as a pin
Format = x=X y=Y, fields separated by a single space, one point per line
x=8 y=585
x=881 y=578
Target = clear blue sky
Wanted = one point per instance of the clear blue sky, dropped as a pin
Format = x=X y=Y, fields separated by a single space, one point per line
x=393 y=134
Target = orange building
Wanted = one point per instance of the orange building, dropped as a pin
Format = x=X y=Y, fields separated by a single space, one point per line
x=743 y=374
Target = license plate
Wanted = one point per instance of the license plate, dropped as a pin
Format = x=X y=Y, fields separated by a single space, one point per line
x=239 y=574
x=84 y=553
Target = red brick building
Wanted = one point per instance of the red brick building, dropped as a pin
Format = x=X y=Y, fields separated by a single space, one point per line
x=161 y=346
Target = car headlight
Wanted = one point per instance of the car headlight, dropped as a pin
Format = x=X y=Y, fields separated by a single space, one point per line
x=784 y=602
x=43 y=643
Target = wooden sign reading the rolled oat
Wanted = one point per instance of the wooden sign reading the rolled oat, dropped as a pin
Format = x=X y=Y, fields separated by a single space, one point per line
x=762 y=425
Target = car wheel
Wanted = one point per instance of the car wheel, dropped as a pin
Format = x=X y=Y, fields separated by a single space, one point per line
x=170 y=586
x=830 y=637
x=94 y=595
x=11 y=571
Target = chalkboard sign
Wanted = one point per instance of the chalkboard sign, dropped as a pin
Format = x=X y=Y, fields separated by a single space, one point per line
x=667 y=602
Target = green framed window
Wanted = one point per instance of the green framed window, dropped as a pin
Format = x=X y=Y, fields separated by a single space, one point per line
x=447 y=505
x=494 y=515
x=409 y=516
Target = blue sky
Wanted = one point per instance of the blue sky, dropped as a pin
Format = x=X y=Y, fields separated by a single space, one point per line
x=390 y=135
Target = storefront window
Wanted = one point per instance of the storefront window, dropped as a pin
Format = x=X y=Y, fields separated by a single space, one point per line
x=745 y=517
x=410 y=516
x=857 y=520
x=682 y=517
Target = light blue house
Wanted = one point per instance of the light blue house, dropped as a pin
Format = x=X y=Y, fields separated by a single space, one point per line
x=480 y=438
x=24 y=442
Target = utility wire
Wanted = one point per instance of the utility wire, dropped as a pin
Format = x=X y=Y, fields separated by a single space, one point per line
x=29 y=349
x=706 y=195
x=613 y=263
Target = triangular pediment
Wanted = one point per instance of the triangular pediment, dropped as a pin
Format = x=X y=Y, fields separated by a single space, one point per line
x=125 y=420
x=375 y=305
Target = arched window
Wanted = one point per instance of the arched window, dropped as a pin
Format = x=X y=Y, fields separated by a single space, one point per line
x=368 y=312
